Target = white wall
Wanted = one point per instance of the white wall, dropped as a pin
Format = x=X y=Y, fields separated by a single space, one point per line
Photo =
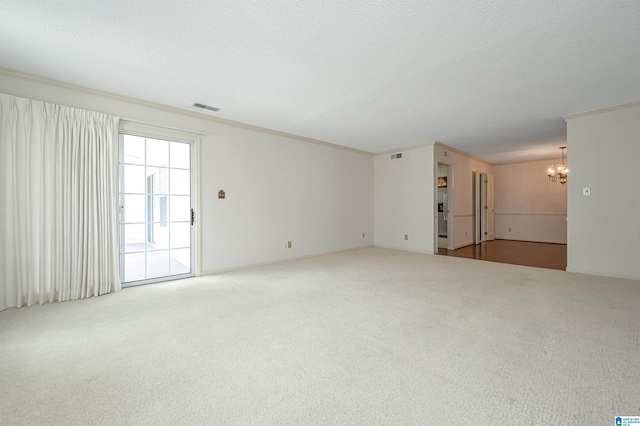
x=278 y=188
x=528 y=206
x=604 y=228
x=404 y=200
x=462 y=182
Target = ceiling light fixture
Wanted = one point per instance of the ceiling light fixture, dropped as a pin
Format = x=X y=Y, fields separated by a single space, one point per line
x=559 y=171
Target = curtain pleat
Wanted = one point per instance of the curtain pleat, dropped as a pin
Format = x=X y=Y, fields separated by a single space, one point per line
x=58 y=203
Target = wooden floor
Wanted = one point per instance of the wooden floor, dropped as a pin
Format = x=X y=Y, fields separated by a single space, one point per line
x=541 y=255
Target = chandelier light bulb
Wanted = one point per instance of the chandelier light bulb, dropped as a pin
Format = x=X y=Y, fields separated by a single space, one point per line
x=558 y=171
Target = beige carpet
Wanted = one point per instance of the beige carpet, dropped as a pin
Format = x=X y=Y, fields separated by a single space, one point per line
x=370 y=336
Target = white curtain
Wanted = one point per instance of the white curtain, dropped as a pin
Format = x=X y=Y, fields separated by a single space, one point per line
x=58 y=203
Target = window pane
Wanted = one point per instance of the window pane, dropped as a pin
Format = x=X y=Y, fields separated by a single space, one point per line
x=180 y=235
x=134 y=182
x=158 y=209
x=157 y=152
x=180 y=209
x=157 y=264
x=134 y=208
x=179 y=182
x=158 y=237
x=134 y=238
x=133 y=149
x=134 y=267
x=157 y=180
x=164 y=210
x=180 y=155
x=180 y=261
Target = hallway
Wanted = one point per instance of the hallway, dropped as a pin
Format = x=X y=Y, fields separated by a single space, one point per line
x=540 y=255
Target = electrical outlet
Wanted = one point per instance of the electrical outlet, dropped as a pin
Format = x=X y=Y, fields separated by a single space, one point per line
x=406 y=236
x=288 y=244
x=586 y=191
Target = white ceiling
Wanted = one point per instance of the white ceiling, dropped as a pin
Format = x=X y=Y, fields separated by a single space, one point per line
x=491 y=78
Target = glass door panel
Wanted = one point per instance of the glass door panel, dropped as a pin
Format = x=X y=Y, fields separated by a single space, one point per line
x=155 y=196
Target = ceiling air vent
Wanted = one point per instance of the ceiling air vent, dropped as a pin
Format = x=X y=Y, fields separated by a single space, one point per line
x=207 y=107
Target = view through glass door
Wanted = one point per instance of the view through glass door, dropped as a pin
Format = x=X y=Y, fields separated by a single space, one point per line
x=156 y=228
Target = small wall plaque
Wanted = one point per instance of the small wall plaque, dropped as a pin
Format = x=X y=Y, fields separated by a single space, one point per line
x=221 y=194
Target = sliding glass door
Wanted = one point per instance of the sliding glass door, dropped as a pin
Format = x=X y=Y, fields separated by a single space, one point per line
x=156 y=212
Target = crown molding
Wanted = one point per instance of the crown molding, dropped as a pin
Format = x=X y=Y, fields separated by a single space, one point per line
x=600 y=110
x=172 y=109
x=405 y=148
x=553 y=158
x=462 y=153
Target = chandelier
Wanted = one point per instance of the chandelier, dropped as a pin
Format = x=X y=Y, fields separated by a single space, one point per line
x=559 y=171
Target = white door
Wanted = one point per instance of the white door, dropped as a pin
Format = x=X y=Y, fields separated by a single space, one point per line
x=156 y=211
x=491 y=235
x=487 y=209
x=483 y=207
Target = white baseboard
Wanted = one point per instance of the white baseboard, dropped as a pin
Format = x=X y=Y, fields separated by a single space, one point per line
x=603 y=273
x=403 y=249
x=274 y=262
x=531 y=240
x=466 y=244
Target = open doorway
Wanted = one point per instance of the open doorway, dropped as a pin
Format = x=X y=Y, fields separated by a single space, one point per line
x=444 y=191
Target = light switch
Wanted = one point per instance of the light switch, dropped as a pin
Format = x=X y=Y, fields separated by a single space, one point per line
x=586 y=191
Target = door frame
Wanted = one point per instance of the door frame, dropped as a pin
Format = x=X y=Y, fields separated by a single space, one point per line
x=475 y=181
x=450 y=205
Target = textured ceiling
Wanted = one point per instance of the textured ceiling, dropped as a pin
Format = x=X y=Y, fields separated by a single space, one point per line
x=491 y=78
